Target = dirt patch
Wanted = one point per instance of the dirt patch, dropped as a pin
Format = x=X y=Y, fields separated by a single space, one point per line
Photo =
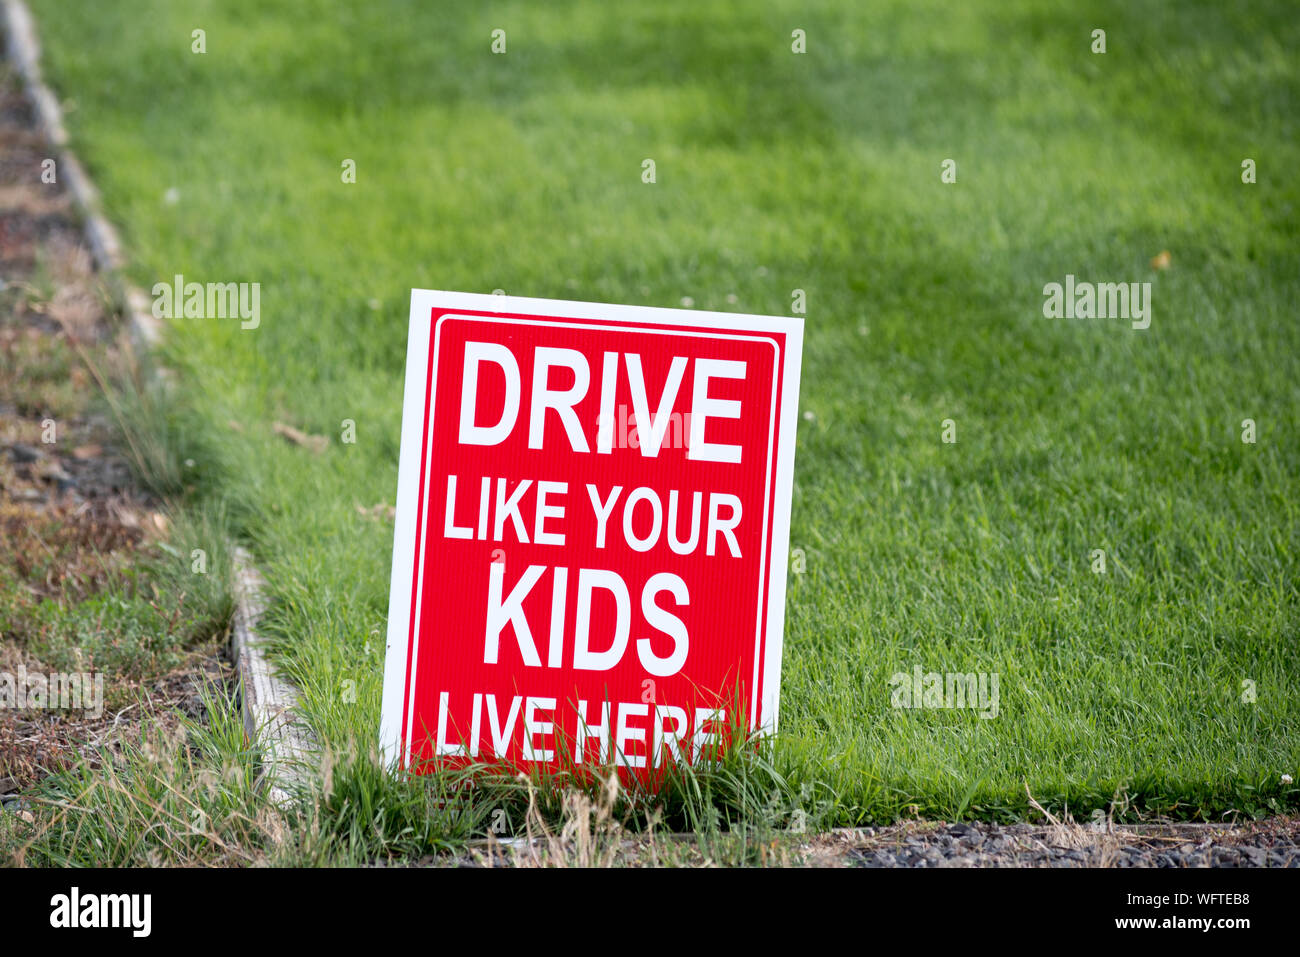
x=74 y=527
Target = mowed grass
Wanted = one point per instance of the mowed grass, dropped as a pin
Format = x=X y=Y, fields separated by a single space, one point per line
x=778 y=172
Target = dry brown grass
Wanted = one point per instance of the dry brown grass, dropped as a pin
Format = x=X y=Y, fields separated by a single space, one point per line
x=589 y=833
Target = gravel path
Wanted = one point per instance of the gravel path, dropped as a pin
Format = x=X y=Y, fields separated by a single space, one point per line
x=1274 y=842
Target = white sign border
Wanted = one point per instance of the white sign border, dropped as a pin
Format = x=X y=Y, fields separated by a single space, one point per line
x=423 y=303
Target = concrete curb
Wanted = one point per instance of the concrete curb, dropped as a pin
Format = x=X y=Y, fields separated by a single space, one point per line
x=267 y=701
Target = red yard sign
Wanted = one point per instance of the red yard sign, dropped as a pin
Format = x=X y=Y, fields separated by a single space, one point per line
x=592 y=532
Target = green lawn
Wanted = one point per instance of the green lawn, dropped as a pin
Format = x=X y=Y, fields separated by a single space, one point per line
x=778 y=171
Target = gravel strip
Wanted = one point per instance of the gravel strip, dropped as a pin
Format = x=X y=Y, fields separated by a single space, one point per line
x=1274 y=842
